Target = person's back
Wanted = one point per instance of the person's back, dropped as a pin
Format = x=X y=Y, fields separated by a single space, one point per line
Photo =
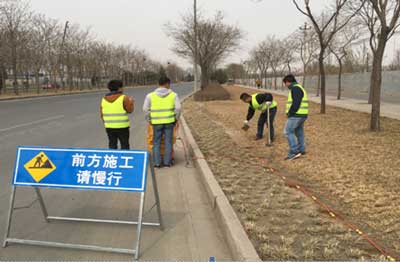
x=162 y=108
x=115 y=107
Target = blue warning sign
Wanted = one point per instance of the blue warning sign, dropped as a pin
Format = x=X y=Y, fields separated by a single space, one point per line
x=95 y=169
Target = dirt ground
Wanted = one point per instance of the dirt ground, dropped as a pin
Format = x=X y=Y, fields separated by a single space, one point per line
x=352 y=170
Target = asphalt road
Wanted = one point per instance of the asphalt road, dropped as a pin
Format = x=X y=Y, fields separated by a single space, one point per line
x=66 y=121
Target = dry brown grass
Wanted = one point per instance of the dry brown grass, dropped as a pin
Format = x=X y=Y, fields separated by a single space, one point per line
x=355 y=171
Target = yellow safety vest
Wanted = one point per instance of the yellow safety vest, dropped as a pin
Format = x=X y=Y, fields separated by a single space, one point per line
x=162 y=109
x=114 y=114
x=256 y=106
x=303 y=110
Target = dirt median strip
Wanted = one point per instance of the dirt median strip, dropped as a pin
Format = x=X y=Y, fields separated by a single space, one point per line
x=240 y=245
x=281 y=223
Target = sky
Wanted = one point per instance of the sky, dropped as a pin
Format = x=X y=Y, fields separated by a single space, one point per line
x=141 y=22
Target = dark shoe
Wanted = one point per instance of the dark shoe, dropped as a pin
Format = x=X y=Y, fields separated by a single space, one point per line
x=257 y=138
x=157 y=166
x=293 y=157
x=303 y=153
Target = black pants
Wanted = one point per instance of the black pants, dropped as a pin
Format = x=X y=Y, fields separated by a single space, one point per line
x=263 y=120
x=115 y=134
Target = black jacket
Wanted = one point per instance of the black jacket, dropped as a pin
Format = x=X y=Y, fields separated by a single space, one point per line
x=261 y=98
x=297 y=96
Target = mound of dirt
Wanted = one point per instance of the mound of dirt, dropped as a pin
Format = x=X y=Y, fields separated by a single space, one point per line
x=212 y=93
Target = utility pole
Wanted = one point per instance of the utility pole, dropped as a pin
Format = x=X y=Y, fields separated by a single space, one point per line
x=196 y=76
x=61 y=60
x=304 y=30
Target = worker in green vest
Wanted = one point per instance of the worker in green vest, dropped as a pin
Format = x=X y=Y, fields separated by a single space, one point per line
x=260 y=102
x=115 y=107
x=162 y=108
x=297 y=113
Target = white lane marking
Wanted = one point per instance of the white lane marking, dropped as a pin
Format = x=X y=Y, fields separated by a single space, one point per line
x=32 y=123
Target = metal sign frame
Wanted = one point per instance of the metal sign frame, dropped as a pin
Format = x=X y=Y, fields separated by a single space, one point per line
x=139 y=222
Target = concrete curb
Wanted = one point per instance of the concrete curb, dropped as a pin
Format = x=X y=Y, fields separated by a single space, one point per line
x=241 y=247
x=51 y=95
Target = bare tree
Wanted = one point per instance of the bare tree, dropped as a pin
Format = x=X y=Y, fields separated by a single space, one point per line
x=31 y=46
x=289 y=57
x=307 y=47
x=15 y=15
x=235 y=71
x=381 y=17
x=339 y=48
x=326 y=26
x=277 y=51
x=215 y=41
x=395 y=65
x=261 y=56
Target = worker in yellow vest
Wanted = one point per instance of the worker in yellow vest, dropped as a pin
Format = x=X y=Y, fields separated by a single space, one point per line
x=297 y=113
x=260 y=102
x=115 y=107
x=258 y=83
x=162 y=108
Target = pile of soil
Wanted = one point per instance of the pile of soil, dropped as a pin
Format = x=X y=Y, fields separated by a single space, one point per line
x=212 y=93
x=351 y=169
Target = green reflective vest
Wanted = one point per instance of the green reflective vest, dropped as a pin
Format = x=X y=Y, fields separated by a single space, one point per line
x=256 y=106
x=162 y=109
x=114 y=114
x=303 y=109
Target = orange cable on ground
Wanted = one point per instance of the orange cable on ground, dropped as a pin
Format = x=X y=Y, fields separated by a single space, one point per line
x=324 y=206
x=332 y=212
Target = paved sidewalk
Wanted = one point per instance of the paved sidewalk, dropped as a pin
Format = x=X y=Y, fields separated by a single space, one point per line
x=191 y=229
x=389 y=110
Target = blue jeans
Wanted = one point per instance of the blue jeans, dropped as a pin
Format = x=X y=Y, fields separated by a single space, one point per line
x=294 y=132
x=160 y=131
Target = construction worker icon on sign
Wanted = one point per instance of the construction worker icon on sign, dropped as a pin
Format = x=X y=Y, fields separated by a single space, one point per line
x=39 y=166
x=39 y=161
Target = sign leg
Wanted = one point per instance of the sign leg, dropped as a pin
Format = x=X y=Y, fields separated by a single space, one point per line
x=156 y=195
x=139 y=228
x=9 y=218
x=42 y=205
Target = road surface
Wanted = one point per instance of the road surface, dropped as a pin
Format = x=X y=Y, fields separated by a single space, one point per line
x=73 y=121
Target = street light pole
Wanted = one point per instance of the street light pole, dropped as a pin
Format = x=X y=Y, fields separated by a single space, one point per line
x=196 y=76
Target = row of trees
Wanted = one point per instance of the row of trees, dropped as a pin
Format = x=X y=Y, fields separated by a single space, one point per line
x=37 y=51
x=334 y=31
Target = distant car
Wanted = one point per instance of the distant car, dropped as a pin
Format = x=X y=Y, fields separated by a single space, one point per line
x=231 y=81
x=50 y=86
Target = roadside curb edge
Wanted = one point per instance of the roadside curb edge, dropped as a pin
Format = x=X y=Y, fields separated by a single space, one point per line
x=240 y=245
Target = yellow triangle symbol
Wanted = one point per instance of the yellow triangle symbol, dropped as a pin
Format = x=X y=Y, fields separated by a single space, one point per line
x=39 y=166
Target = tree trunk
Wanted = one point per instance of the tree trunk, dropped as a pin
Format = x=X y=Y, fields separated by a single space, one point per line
x=2 y=79
x=265 y=84
x=339 y=94
x=323 y=81
x=376 y=81
x=14 y=65
x=318 y=83
x=304 y=75
x=205 y=77
x=37 y=81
